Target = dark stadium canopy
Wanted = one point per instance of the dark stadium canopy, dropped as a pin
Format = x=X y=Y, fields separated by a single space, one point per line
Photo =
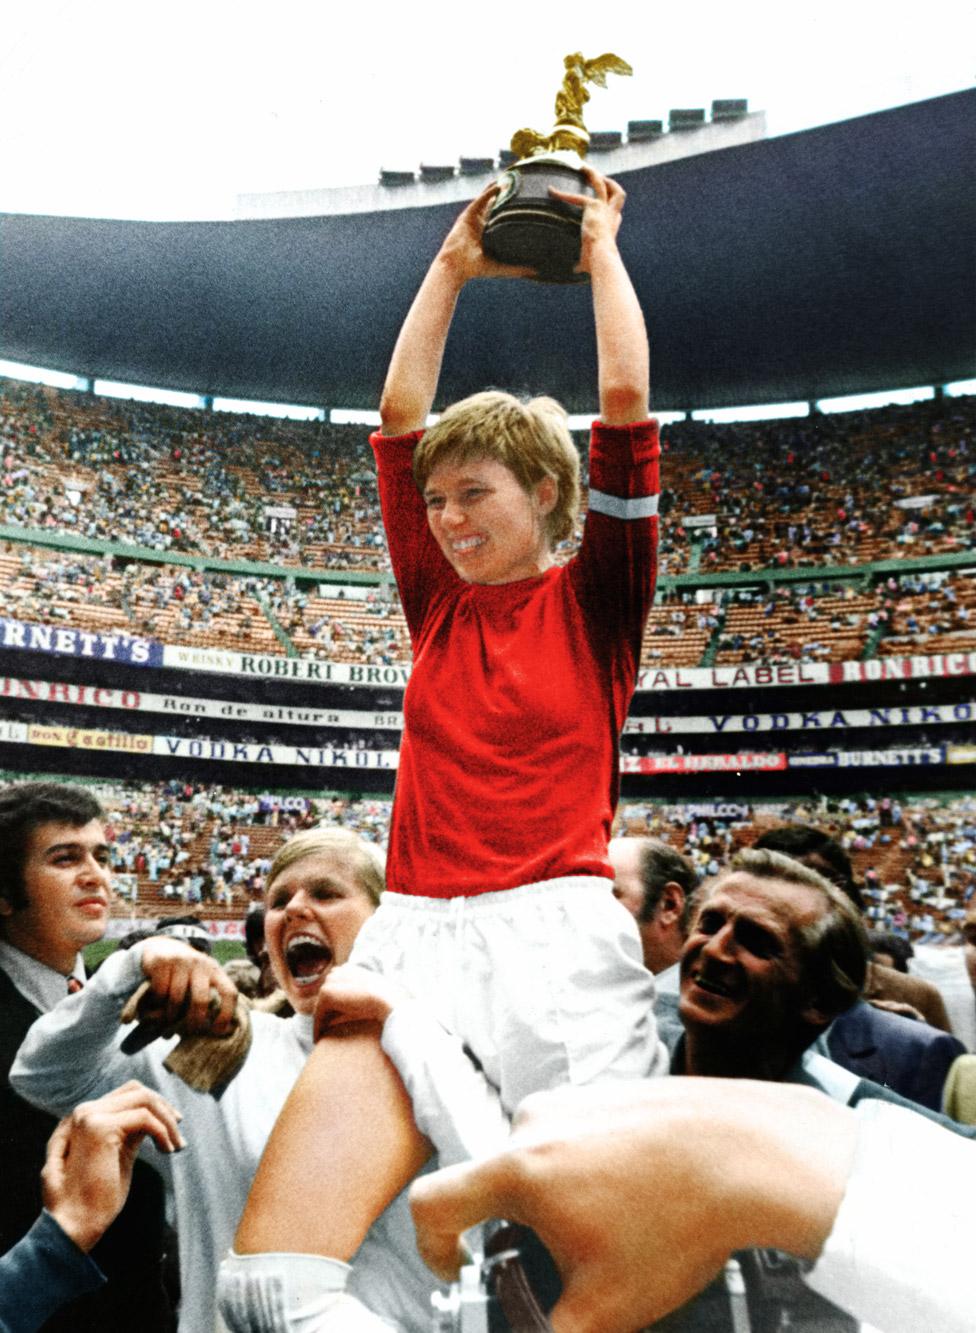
x=833 y=261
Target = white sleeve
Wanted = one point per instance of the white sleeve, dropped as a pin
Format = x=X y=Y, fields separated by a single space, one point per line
x=71 y=1053
x=899 y=1256
x=454 y=1105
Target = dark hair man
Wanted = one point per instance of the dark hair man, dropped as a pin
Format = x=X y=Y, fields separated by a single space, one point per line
x=190 y=929
x=655 y=883
x=815 y=849
x=890 y=950
x=55 y=889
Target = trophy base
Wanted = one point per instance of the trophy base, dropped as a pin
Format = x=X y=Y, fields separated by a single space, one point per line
x=529 y=228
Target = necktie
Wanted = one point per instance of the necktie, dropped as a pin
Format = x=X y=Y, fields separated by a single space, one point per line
x=74 y=985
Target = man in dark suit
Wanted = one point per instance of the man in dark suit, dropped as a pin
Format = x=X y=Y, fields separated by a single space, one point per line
x=912 y=1058
x=55 y=888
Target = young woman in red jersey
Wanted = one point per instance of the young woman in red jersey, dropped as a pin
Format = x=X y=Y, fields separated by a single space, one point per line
x=499 y=912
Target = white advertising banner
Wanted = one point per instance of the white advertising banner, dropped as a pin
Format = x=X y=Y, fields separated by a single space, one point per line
x=709 y=724
x=285 y=668
x=251 y=752
x=813 y=720
x=62 y=640
x=136 y=701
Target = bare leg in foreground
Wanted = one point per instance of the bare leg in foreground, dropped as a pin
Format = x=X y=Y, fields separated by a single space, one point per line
x=345 y=1145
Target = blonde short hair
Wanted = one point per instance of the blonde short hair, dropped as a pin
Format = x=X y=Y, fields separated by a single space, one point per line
x=531 y=438
x=365 y=858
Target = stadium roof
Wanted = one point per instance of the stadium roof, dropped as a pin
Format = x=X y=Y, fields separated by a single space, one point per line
x=833 y=261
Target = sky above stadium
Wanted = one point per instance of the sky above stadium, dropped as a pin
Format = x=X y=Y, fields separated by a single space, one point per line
x=122 y=109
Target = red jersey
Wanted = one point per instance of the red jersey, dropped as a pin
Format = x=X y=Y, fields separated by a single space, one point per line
x=509 y=762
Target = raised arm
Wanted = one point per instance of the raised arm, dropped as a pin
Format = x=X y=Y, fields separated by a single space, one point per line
x=411 y=381
x=621 y=337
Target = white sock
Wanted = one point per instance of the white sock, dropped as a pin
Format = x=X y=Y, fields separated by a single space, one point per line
x=290 y=1293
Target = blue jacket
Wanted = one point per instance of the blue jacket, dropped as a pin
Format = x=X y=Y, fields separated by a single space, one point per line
x=911 y=1058
x=41 y=1273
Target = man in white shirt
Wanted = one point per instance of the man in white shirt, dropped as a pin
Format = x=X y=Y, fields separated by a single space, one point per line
x=55 y=889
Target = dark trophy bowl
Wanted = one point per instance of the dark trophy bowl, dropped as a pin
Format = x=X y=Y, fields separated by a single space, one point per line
x=527 y=227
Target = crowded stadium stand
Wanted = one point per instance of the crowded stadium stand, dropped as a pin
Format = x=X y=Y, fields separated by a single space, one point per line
x=196 y=606
x=796 y=609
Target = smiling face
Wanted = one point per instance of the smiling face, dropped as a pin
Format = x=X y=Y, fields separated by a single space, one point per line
x=313 y=911
x=68 y=887
x=489 y=527
x=742 y=965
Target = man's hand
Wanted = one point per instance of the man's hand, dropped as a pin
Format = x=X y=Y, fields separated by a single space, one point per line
x=462 y=253
x=899 y=1007
x=642 y=1190
x=182 y=981
x=88 y=1170
x=411 y=381
x=602 y=215
x=353 y=994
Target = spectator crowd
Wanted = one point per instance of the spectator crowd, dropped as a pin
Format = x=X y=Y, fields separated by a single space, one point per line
x=753 y=924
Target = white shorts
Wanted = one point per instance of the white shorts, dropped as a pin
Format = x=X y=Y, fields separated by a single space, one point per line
x=545 y=984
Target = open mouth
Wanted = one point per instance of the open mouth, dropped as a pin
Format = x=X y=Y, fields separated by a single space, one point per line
x=307 y=959
x=711 y=985
x=468 y=544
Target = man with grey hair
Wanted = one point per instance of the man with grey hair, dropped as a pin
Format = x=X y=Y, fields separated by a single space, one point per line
x=655 y=883
x=911 y=1057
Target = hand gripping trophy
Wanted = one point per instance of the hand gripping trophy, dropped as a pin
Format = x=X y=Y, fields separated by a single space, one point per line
x=526 y=225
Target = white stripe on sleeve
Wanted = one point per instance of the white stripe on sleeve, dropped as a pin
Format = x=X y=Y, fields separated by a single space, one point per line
x=642 y=506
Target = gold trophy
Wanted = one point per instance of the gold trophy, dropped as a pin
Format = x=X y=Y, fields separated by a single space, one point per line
x=526 y=225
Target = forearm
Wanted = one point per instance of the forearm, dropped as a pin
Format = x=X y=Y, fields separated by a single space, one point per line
x=787 y=1155
x=635 y=1225
x=621 y=340
x=40 y=1274
x=72 y=1053
x=411 y=381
